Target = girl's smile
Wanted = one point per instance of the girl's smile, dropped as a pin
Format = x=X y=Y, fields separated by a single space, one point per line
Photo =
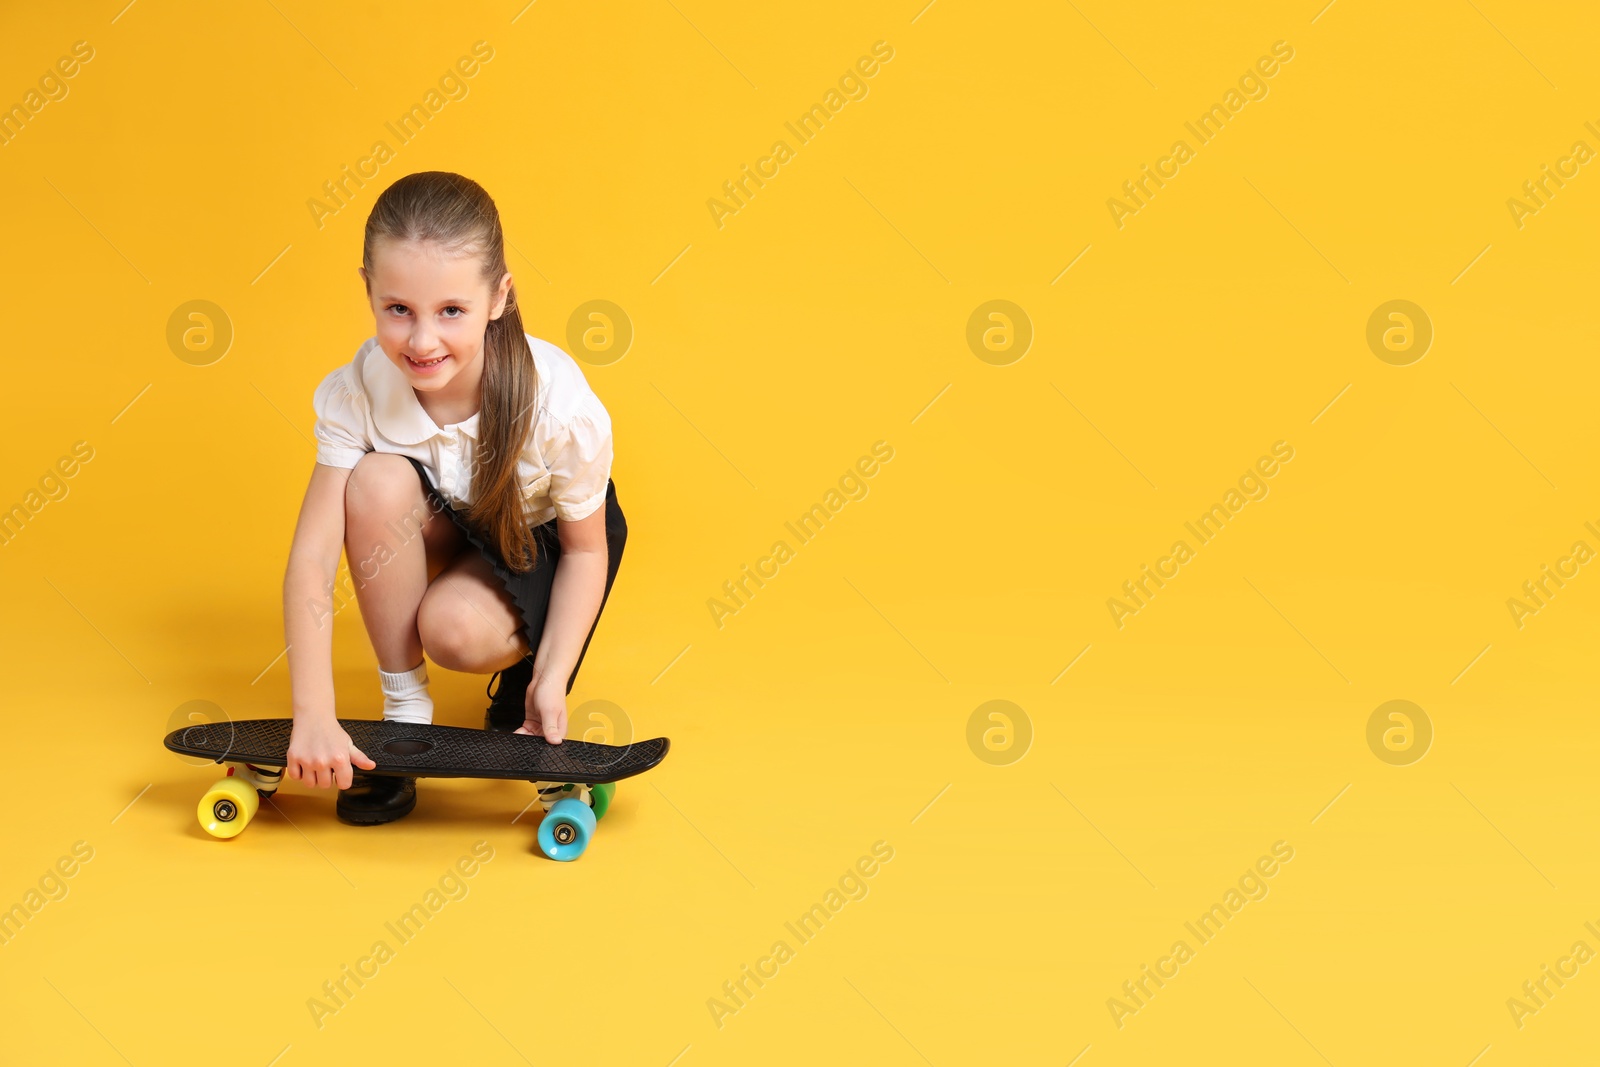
x=427 y=366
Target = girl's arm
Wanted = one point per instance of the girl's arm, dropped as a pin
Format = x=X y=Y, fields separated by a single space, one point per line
x=320 y=751
x=575 y=594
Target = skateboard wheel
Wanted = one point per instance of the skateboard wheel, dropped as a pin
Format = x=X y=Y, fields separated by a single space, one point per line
x=565 y=831
x=600 y=798
x=228 y=807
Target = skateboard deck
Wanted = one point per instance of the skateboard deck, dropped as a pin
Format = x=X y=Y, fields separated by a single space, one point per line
x=409 y=750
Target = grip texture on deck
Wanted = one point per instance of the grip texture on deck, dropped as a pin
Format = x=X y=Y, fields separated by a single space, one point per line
x=429 y=751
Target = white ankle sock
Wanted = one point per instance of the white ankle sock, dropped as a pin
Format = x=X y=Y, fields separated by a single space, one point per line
x=405 y=695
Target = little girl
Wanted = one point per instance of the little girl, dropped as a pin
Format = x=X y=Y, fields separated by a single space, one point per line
x=465 y=467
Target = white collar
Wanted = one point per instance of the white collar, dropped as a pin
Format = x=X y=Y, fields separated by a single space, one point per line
x=395 y=409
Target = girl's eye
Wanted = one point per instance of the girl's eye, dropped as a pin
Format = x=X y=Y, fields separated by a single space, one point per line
x=452 y=307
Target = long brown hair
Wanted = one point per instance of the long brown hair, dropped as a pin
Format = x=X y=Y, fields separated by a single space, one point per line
x=456 y=213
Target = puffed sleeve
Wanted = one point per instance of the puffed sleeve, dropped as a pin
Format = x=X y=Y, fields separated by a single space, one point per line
x=580 y=465
x=341 y=427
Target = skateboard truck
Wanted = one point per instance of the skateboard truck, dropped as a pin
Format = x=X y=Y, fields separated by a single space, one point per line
x=265 y=779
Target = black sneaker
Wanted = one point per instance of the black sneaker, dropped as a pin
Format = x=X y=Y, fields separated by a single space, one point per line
x=376 y=798
x=508 y=705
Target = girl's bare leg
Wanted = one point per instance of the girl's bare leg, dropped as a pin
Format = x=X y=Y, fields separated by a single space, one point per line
x=395 y=542
x=468 y=621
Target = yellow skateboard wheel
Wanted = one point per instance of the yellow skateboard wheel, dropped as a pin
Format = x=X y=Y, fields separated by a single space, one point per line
x=228 y=807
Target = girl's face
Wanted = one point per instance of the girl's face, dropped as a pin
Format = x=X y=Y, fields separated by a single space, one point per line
x=432 y=309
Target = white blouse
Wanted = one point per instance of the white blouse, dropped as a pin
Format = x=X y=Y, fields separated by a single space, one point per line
x=368 y=406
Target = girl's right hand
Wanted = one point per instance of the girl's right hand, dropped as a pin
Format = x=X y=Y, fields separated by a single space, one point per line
x=321 y=754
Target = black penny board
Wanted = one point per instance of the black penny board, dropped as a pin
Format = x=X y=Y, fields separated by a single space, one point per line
x=406 y=750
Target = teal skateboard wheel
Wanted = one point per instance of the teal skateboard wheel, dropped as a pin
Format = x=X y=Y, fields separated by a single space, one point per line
x=565 y=830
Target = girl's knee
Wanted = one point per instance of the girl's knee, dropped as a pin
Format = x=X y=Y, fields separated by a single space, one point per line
x=452 y=631
x=382 y=483
x=443 y=631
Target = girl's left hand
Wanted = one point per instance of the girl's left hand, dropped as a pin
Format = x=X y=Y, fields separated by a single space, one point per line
x=546 y=708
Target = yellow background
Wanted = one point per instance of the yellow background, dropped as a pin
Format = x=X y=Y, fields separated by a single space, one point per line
x=826 y=715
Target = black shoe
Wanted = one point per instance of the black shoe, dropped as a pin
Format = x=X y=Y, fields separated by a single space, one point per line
x=376 y=798
x=508 y=705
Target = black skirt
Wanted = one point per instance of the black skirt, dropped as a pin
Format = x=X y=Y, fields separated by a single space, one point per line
x=530 y=589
